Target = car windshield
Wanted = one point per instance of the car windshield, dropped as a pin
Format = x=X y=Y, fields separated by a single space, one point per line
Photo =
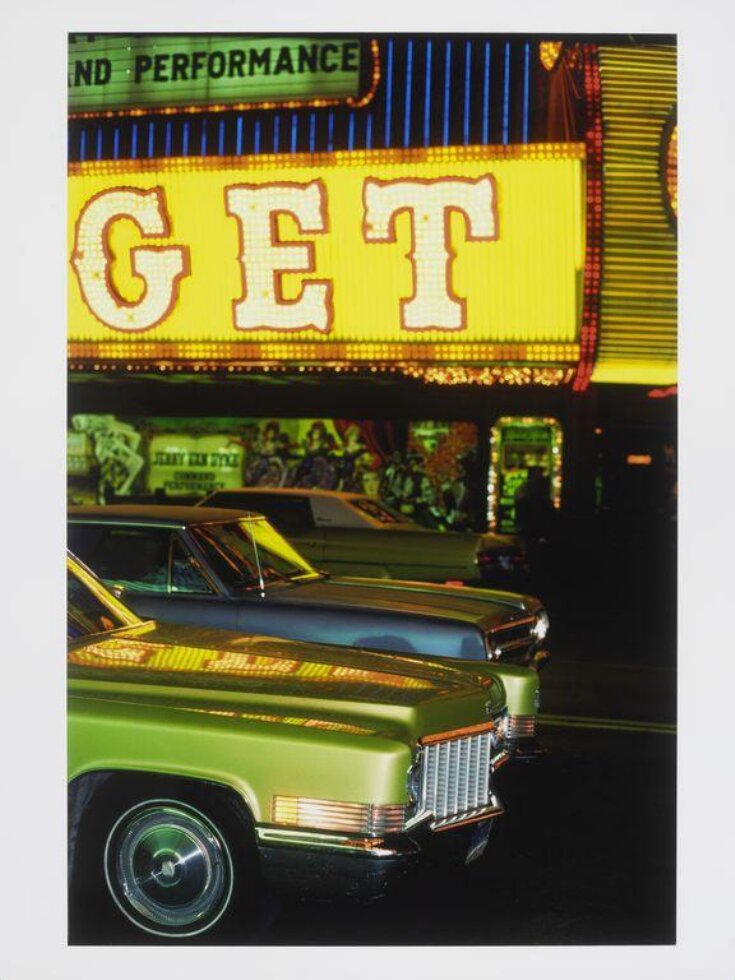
x=380 y=511
x=240 y=552
x=87 y=613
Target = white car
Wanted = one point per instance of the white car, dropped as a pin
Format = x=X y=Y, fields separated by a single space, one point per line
x=353 y=534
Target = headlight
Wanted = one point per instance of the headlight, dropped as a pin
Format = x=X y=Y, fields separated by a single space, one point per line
x=342 y=817
x=541 y=627
x=492 y=648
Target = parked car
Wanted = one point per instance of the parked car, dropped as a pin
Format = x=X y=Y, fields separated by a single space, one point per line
x=205 y=767
x=210 y=567
x=353 y=534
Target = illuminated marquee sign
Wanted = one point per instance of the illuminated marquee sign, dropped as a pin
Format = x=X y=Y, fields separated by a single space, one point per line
x=454 y=255
x=128 y=73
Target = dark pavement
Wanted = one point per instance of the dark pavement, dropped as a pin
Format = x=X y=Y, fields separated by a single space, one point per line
x=586 y=851
x=584 y=854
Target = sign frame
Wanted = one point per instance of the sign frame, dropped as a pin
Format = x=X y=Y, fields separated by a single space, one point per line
x=369 y=78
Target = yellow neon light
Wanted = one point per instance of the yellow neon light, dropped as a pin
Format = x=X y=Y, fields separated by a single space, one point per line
x=345 y=265
x=638 y=299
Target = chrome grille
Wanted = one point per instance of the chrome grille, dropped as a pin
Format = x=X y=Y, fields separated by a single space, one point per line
x=455 y=780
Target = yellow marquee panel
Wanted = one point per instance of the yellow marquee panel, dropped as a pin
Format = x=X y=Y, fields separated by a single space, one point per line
x=514 y=264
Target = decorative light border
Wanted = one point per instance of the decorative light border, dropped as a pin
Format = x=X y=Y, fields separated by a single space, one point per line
x=509 y=375
x=548 y=53
x=368 y=352
x=669 y=171
x=589 y=332
x=556 y=459
x=351 y=101
x=337 y=158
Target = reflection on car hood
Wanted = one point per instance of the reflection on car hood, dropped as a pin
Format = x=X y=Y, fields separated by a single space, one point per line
x=185 y=666
x=482 y=606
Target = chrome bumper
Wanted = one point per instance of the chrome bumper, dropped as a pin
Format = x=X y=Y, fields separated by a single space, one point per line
x=368 y=847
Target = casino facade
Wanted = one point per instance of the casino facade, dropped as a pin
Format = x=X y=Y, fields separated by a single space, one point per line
x=413 y=266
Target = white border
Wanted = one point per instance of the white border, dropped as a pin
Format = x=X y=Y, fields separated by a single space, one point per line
x=32 y=832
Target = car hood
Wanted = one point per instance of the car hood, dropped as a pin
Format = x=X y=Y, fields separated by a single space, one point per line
x=218 y=671
x=483 y=607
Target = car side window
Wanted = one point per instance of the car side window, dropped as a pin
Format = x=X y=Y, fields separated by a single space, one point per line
x=185 y=574
x=82 y=540
x=136 y=558
x=85 y=613
x=288 y=514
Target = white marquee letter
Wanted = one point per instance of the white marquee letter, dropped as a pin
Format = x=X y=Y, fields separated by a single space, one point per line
x=264 y=258
x=433 y=305
x=160 y=267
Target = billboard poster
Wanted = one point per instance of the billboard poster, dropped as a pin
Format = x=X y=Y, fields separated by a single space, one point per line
x=424 y=468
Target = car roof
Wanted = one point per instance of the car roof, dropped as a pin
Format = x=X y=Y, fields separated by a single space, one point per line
x=161 y=513
x=291 y=492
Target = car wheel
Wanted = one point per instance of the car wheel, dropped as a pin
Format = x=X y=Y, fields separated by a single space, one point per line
x=172 y=867
x=168 y=868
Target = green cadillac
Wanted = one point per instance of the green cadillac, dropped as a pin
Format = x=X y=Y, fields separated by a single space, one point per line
x=206 y=767
x=207 y=566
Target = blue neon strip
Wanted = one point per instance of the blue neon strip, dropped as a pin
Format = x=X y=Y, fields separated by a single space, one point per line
x=467 y=69
x=427 y=94
x=351 y=131
x=526 y=72
x=388 y=93
x=330 y=131
x=238 y=137
x=312 y=131
x=83 y=144
x=294 y=131
x=506 y=93
x=447 y=89
x=486 y=96
x=99 y=143
x=203 y=139
x=134 y=141
x=407 y=105
x=185 y=140
x=221 y=138
x=116 y=144
x=256 y=137
x=369 y=131
x=151 y=137
x=276 y=133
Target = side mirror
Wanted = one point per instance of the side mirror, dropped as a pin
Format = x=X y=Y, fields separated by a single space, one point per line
x=117 y=590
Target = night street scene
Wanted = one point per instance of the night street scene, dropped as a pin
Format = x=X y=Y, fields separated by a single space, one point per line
x=372 y=479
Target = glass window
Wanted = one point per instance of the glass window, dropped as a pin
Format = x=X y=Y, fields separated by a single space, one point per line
x=240 y=552
x=134 y=557
x=82 y=539
x=289 y=513
x=379 y=511
x=86 y=613
x=185 y=573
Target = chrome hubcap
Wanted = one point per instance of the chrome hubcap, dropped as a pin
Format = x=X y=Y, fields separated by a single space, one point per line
x=168 y=868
